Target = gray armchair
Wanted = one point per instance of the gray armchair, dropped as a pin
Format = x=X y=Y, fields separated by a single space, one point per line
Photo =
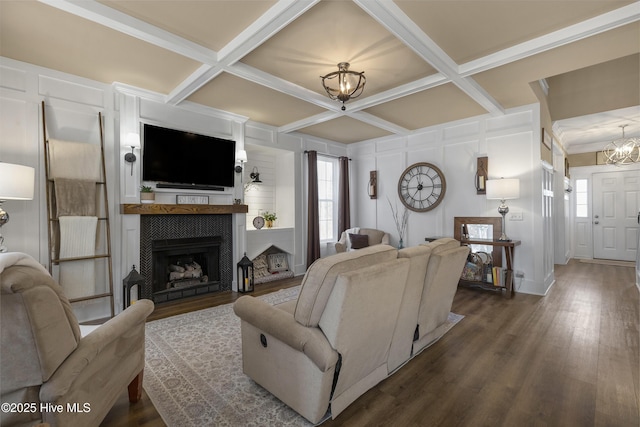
x=376 y=237
x=46 y=361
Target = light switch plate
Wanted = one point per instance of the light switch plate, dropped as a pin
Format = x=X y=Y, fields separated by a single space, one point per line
x=515 y=216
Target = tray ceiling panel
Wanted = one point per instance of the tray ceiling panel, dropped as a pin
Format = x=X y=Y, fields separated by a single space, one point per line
x=345 y=129
x=441 y=104
x=212 y=24
x=261 y=104
x=484 y=27
x=39 y=34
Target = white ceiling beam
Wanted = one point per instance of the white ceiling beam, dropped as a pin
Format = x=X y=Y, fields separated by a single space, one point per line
x=310 y=121
x=270 y=81
x=401 y=91
x=379 y=123
x=599 y=24
x=398 y=23
x=118 y=21
x=276 y=18
x=195 y=81
x=271 y=22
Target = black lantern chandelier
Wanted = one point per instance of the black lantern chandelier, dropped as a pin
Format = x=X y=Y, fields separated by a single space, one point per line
x=622 y=151
x=346 y=84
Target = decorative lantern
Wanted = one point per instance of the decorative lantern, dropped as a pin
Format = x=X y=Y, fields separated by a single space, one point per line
x=245 y=274
x=133 y=279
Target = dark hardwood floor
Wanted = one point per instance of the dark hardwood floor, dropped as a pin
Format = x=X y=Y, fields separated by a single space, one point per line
x=568 y=359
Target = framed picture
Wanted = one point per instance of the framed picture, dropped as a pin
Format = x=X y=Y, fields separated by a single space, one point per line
x=546 y=138
x=192 y=200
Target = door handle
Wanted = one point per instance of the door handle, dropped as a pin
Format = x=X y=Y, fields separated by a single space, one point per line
x=597 y=216
x=596 y=222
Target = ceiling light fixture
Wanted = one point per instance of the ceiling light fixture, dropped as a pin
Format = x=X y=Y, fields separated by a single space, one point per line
x=622 y=151
x=349 y=84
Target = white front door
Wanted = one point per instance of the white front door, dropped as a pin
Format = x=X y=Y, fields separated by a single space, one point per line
x=616 y=202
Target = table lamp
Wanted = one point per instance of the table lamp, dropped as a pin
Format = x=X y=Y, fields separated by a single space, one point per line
x=16 y=183
x=503 y=189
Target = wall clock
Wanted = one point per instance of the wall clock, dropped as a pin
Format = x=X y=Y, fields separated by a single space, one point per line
x=258 y=222
x=421 y=187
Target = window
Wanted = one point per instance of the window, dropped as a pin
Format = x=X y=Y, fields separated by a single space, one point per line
x=327 y=198
x=582 y=198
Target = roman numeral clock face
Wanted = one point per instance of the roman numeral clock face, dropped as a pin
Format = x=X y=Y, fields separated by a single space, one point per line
x=421 y=187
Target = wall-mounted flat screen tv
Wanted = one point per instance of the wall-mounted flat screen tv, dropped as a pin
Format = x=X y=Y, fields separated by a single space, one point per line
x=187 y=159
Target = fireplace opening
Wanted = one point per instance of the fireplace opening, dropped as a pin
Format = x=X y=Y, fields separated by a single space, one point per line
x=185 y=267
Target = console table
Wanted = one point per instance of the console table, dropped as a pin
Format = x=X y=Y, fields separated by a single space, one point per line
x=509 y=248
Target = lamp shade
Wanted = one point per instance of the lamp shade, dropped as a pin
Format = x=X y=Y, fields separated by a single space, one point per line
x=241 y=156
x=132 y=140
x=16 y=182
x=503 y=189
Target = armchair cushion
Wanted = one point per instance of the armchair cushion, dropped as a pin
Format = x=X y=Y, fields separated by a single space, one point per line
x=375 y=237
x=359 y=241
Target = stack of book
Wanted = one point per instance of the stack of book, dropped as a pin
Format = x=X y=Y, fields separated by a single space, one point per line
x=499 y=276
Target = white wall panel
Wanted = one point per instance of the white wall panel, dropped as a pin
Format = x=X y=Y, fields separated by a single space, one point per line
x=511 y=144
x=50 y=87
x=12 y=78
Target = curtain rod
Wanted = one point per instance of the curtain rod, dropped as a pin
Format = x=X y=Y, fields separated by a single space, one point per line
x=328 y=155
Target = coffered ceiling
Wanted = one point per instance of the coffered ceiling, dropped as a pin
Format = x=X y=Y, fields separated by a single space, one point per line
x=426 y=62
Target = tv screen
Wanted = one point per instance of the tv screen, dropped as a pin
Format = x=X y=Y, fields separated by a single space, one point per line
x=177 y=157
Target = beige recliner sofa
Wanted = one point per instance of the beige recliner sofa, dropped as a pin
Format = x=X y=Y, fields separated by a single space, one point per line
x=44 y=360
x=376 y=237
x=354 y=323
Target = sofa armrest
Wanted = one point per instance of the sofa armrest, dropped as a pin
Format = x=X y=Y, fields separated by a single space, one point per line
x=121 y=327
x=341 y=245
x=281 y=325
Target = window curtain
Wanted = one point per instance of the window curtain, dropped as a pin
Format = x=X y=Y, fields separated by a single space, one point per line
x=344 y=215
x=313 y=219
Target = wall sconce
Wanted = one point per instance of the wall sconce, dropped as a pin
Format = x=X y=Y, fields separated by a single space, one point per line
x=16 y=183
x=255 y=176
x=131 y=140
x=482 y=172
x=372 y=187
x=503 y=189
x=241 y=157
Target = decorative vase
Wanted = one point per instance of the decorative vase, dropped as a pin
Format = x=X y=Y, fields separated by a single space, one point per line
x=147 y=197
x=269 y=224
x=400 y=244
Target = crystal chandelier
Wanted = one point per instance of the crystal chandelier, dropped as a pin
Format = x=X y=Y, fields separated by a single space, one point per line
x=348 y=84
x=622 y=151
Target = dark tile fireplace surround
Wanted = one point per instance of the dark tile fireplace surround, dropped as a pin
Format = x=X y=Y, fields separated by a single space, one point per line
x=175 y=239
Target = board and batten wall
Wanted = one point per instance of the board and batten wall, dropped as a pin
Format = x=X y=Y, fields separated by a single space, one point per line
x=511 y=142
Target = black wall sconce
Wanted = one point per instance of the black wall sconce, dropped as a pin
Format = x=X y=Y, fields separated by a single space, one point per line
x=255 y=175
x=372 y=187
x=482 y=173
x=131 y=140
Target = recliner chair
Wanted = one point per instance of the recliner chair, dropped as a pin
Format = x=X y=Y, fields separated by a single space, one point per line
x=44 y=360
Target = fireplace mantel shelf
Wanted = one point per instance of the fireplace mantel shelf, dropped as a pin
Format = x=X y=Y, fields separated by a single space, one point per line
x=168 y=209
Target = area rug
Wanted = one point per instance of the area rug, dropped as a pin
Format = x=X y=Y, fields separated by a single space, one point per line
x=193 y=372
